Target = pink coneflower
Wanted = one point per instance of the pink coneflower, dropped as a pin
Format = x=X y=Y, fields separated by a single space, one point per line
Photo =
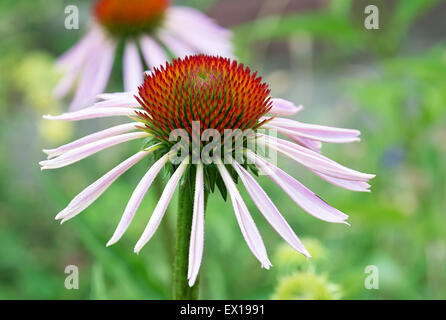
x=151 y=27
x=219 y=95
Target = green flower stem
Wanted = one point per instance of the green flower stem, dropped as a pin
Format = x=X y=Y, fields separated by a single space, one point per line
x=181 y=289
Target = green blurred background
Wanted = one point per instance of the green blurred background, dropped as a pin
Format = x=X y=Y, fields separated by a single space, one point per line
x=389 y=83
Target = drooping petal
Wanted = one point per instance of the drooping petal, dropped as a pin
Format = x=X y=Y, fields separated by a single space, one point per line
x=283 y=107
x=196 y=19
x=117 y=103
x=104 y=70
x=314 y=132
x=65 y=84
x=80 y=153
x=269 y=210
x=346 y=184
x=195 y=35
x=307 y=143
x=136 y=198
x=197 y=232
x=72 y=62
x=244 y=219
x=92 y=113
x=74 y=57
x=303 y=197
x=178 y=47
x=95 y=74
x=95 y=190
x=132 y=67
x=313 y=160
x=153 y=53
x=117 y=95
x=113 y=131
x=161 y=207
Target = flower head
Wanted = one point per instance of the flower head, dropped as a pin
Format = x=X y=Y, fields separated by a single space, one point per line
x=131 y=17
x=146 y=26
x=219 y=95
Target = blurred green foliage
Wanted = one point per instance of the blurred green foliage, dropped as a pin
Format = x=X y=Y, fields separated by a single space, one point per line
x=398 y=101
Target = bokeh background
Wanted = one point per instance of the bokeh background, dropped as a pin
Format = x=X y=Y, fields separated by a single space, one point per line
x=389 y=83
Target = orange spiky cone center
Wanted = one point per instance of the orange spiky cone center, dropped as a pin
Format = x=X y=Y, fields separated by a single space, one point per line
x=217 y=92
x=130 y=17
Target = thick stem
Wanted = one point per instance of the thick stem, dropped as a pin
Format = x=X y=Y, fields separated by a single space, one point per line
x=181 y=289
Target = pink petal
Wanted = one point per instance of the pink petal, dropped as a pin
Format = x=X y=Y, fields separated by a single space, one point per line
x=269 y=210
x=95 y=190
x=117 y=96
x=244 y=219
x=303 y=197
x=72 y=61
x=132 y=67
x=313 y=160
x=283 y=107
x=161 y=207
x=85 y=151
x=92 y=113
x=75 y=56
x=95 y=74
x=178 y=47
x=104 y=70
x=307 y=143
x=195 y=35
x=114 y=103
x=346 y=184
x=196 y=19
x=197 y=232
x=314 y=132
x=113 y=131
x=136 y=199
x=153 y=53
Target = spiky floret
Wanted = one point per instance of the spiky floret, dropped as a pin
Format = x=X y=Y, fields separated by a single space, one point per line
x=219 y=93
x=130 y=17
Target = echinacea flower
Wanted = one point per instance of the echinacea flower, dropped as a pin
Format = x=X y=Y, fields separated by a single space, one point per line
x=193 y=96
x=151 y=27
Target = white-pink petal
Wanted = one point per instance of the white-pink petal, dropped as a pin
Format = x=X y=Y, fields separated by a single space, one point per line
x=132 y=67
x=196 y=19
x=247 y=225
x=95 y=74
x=303 y=197
x=197 y=232
x=314 y=132
x=161 y=207
x=269 y=210
x=178 y=47
x=152 y=52
x=136 y=198
x=283 y=107
x=93 y=113
x=96 y=189
x=85 y=151
x=346 y=184
x=313 y=160
x=117 y=96
x=113 y=131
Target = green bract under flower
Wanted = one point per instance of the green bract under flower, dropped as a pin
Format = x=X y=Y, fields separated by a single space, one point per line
x=130 y=17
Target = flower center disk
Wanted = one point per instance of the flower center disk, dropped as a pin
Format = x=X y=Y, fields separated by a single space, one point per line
x=214 y=92
x=130 y=17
